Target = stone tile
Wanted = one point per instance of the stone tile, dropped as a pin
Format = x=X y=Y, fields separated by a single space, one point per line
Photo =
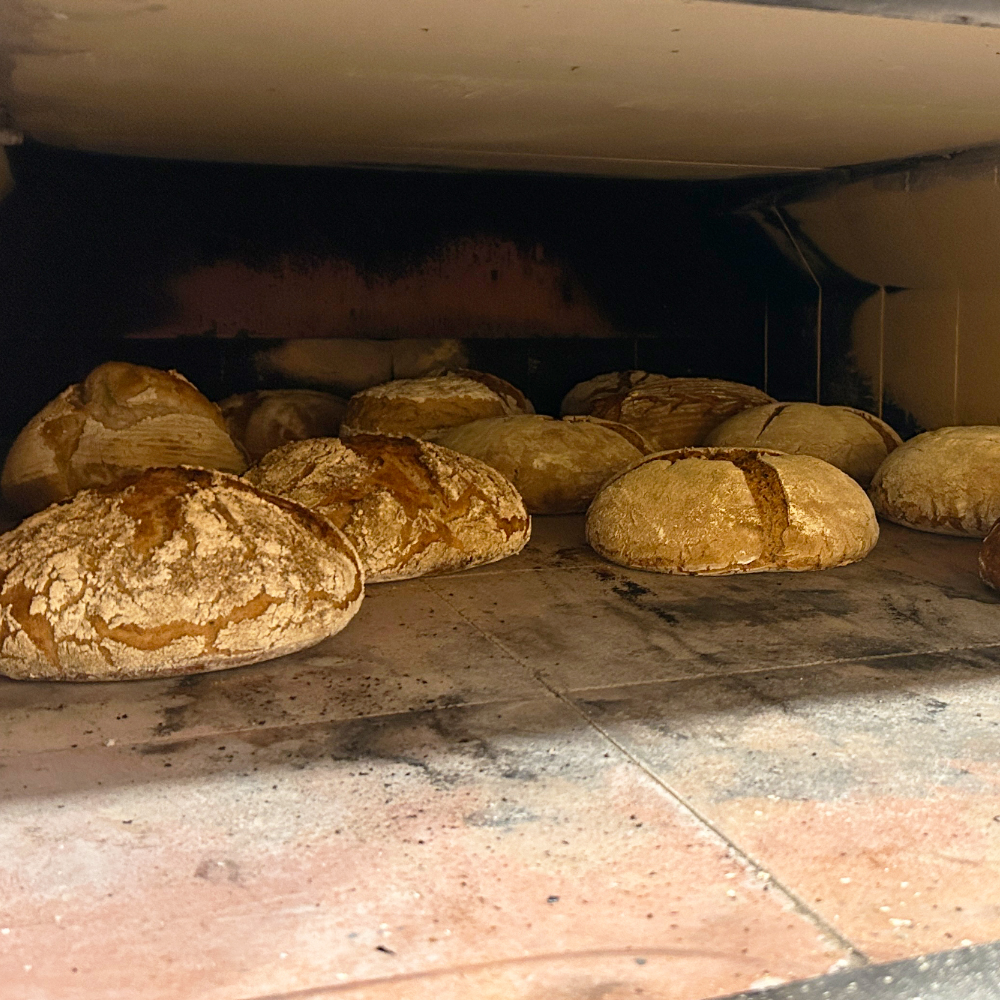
x=603 y=624
x=872 y=790
x=405 y=650
x=396 y=851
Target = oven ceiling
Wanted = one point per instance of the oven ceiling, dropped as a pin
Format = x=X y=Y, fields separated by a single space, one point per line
x=646 y=88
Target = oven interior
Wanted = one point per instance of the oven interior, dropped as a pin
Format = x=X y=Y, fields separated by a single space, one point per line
x=549 y=777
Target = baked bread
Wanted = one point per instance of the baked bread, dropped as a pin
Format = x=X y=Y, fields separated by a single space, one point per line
x=713 y=511
x=946 y=481
x=854 y=441
x=556 y=465
x=121 y=418
x=419 y=407
x=178 y=571
x=263 y=420
x=410 y=507
x=667 y=412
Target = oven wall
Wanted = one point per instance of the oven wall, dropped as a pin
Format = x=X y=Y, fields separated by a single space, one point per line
x=927 y=237
x=245 y=276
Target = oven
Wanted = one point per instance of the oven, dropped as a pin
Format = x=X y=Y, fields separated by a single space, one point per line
x=550 y=776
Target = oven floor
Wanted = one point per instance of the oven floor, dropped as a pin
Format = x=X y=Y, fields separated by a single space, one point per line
x=548 y=778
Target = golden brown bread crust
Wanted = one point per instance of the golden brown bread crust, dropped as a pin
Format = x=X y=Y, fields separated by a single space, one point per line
x=119 y=419
x=176 y=571
x=556 y=465
x=410 y=507
x=854 y=441
x=946 y=481
x=419 y=407
x=268 y=418
x=668 y=412
x=711 y=511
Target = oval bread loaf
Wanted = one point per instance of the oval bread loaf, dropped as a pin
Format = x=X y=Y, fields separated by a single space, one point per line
x=179 y=571
x=556 y=465
x=854 y=441
x=264 y=420
x=711 y=511
x=121 y=418
x=946 y=481
x=410 y=507
x=667 y=412
x=419 y=407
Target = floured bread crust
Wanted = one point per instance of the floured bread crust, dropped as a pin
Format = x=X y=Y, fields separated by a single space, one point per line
x=410 y=507
x=419 y=407
x=714 y=511
x=264 y=420
x=121 y=418
x=180 y=571
x=556 y=465
x=854 y=441
x=945 y=481
x=667 y=412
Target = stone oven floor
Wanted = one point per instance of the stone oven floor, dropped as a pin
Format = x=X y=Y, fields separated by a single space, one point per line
x=548 y=778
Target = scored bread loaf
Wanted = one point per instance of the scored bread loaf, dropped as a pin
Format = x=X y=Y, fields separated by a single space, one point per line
x=556 y=465
x=268 y=418
x=410 y=507
x=945 y=481
x=712 y=511
x=121 y=418
x=419 y=407
x=667 y=412
x=854 y=441
x=177 y=571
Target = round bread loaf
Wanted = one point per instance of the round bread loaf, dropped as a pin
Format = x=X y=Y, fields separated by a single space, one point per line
x=419 y=407
x=667 y=412
x=556 y=465
x=989 y=559
x=410 y=507
x=264 y=420
x=712 y=511
x=854 y=441
x=178 y=571
x=121 y=418
x=946 y=481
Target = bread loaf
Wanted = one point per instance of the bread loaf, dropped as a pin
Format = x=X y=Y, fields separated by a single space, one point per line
x=854 y=441
x=419 y=407
x=119 y=419
x=667 y=412
x=717 y=511
x=945 y=481
x=556 y=465
x=178 y=571
x=263 y=420
x=410 y=507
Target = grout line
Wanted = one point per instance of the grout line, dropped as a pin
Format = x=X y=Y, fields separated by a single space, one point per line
x=772 y=669
x=800 y=905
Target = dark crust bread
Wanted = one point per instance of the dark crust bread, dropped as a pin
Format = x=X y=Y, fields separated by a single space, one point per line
x=411 y=507
x=171 y=571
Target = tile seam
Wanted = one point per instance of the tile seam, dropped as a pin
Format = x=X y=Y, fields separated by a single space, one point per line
x=858 y=957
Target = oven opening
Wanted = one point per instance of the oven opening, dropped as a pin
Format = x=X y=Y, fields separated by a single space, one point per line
x=555 y=773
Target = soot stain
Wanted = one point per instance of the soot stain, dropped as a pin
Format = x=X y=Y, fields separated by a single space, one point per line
x=742 y=607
